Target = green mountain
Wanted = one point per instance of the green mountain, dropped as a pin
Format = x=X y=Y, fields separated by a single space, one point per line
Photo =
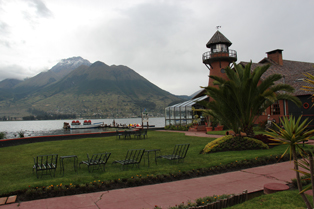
x=9 y=83
x=97 y=90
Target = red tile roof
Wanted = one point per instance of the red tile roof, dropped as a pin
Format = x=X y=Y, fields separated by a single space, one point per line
x=292 y=71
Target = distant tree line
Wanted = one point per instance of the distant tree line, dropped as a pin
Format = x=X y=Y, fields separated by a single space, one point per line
x=42 y=115
x=49 y=117
x=7 y=118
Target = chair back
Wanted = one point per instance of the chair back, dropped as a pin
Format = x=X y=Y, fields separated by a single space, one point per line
x=134 y=155
x=180 y=150
x=100 y=158
x=104 y=157
x=94 y=159
x=46 y=161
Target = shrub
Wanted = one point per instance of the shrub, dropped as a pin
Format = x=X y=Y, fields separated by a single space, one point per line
x=2 y=135
x=178 y=127
x=230 y=143
x=258 y=128
x=21 y=134
x=304 y=181
x=262 y=124
x=265 y=139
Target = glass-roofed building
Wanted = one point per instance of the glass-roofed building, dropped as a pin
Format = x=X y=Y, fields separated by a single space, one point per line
x=182 y=113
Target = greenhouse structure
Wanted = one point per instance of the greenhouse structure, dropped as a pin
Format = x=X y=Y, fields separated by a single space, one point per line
x=182 y=113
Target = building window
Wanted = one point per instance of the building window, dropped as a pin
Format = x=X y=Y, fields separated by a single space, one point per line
x=275 y=109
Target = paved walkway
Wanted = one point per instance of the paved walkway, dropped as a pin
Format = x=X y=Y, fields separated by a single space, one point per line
x=171 y=193
x=192 y=133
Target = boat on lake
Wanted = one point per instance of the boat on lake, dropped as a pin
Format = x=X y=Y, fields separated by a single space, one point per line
x=86 y=124
x=139 y=126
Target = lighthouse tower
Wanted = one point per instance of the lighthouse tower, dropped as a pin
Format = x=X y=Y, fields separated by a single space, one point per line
x=219 y=57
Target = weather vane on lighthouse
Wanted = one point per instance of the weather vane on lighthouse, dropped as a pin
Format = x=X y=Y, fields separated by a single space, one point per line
x=218 y=27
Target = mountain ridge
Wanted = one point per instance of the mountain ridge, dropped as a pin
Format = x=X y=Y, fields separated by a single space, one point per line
x=88 y=90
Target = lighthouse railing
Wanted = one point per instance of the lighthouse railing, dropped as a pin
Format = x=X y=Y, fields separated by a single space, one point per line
x=209 y=54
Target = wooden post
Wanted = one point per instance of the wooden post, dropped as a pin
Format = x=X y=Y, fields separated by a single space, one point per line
x=312 y=173
x=246 y=196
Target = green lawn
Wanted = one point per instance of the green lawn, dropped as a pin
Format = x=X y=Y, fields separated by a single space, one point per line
x=17 y=161
x=286 y=199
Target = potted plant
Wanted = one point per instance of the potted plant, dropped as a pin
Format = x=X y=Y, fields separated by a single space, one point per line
x=207 y=121
x=214 y=122
x=219 y=128
x=196 y=120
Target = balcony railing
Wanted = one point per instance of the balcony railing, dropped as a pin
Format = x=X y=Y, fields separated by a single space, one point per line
x=231 y=53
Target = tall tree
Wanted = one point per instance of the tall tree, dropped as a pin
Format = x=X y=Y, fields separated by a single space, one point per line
x=238 y=100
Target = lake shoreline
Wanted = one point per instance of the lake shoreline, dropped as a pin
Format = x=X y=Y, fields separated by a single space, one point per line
x=35 y=139
x=12 y=129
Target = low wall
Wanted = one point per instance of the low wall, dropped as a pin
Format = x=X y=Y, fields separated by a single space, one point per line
x=27 y=140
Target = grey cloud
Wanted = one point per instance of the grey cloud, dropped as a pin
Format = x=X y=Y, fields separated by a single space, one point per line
x=5 y=43
x=13 y=71
x=140 y=30
x=4 y=28
x=41 y=11
x=41 y=8
x=155 y=24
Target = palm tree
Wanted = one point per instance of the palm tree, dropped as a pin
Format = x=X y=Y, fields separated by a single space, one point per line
x=293 y=133
x=238 y=101
x=310 y=81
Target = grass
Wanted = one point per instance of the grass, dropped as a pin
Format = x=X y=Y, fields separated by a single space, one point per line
x=17 y=161
x=280 y=200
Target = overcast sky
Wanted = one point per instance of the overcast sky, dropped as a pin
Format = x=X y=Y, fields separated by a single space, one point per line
x=161 y=40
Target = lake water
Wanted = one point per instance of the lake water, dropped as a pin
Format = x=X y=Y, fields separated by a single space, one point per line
x=55 y=127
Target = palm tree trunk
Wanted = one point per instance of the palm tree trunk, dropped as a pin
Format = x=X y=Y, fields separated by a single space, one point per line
x=296 y=167
x=249 y=131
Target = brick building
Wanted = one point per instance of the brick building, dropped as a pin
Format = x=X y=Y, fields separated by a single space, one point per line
x=293 y=74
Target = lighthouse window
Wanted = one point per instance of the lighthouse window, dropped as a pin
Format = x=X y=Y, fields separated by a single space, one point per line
x=220 y=48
